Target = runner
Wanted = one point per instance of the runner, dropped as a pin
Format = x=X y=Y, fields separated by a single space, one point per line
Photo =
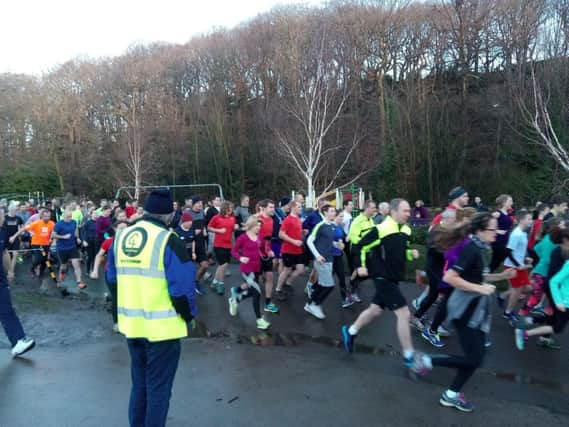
x=88 y=234
x=388 y=245
x=536 y=232
x=504 y=203
x=242 y=215
x=556 y=283
x=111 y=282
x=41 y=236
x=558 y=207
x=13 y=223
x=267 y=211
x=200 y=235
x=222 y=226
x=363 y=223
x=10 y=322
x=469 y=309
x=210 y=212
x=381 y=212
x=551 y=231
x=314 y=218
x=276 y=243
x=66 y=234
x=458 y=197
x=186 y=233
x=321 y=243
x=338 y=263
x=435 y=262
x=247 y=250
x=104 y=222
x=292 y=250
x=518 y=261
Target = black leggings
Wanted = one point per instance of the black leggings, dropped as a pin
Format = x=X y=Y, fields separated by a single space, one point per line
x=319 y=293
x=472 y=343
x=499 y=254
x=339 y=270
x=113 y=291
x=91 y=253
x=430 y=299
x=252 y=292
x=441 y=312
x=40 y=257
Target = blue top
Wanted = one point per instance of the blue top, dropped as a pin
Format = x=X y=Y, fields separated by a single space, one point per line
x=179 y=269
x=3 y=244
x=62 y=228
x=311 y=220
x=339 y=235
x=321 y=241
x=89 y=230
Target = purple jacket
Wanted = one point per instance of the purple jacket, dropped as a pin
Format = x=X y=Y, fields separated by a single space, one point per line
x=103 y=225
x=451 y=257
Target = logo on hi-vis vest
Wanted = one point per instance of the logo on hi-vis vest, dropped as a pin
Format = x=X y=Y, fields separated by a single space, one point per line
x=134 y=241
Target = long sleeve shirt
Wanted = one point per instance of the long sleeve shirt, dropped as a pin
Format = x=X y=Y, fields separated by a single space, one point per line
x=559 y=285
x=180 y=274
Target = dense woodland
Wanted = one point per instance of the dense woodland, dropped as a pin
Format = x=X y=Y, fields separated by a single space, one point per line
x=405 y=98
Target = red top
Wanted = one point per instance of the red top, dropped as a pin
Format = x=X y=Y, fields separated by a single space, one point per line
x=533 y=233
x=223 y=240
x=439 y=217
x=130 y=211
x=266 y=226
x=292 y=226
x=105 y=246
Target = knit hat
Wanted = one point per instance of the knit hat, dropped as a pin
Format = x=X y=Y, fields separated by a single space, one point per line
x=196 y=199
x=159 y=202
x=186 y=217
x=456 y=192
x=284 y=201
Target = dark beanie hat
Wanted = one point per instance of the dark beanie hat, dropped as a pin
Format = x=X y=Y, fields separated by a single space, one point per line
x=159 y=202
x=456 y=192
x=284 y=201
x=196 y=199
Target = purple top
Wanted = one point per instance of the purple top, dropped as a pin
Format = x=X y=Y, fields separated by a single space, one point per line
x=451 y=257
x=103 y=225
x=504 y=223
x=245 y=247
x=420 y=213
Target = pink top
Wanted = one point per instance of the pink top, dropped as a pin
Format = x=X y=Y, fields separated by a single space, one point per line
x=245 y=247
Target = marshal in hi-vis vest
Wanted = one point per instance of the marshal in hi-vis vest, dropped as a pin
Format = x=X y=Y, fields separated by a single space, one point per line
x=144 y=306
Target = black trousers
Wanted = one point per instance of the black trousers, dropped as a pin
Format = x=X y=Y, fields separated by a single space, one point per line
x=472 y=343
x=340 y=271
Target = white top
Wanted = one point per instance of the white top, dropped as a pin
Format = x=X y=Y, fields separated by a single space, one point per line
x=518 y=243
x=347 y=222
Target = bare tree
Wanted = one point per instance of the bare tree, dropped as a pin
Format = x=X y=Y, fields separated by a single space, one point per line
x=538 y=119
x=317 y=107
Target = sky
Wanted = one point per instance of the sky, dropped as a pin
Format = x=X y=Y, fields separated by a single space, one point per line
x=37 y=35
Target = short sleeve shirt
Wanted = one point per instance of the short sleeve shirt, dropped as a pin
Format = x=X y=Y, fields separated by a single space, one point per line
x=41 y=232
x=292 y=227
x=518 y=244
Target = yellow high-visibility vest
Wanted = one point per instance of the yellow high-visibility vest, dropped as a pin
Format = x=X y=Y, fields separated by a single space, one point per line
x=144 y=306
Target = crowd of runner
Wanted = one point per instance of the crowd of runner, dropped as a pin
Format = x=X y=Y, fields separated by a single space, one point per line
x=468 y=246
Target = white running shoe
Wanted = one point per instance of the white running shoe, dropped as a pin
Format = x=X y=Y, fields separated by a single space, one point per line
x=23 y=345
x=443 y=332
x=315 y=310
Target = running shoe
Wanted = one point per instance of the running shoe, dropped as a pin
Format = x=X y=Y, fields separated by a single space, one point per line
x=22 y=346
x=220 y=288
x=520 y=339
x=81 y=285
x=432 y=337
x=416 y=303
x=262 y=324
x=459 y=402
x=512 y=317
x=417 y=323
x=207 y=276
x=281 y=295
x=315 y=310
x=233 y=306
x=420 y=277
x=548 y=343
x=213 y=285
x=419 y=365
x=347 y=302
x=227 y=273
x=355 y=297
x=271 y=308
x=199 y=289
x=348 y=339
x=61 y=277
x=443 y=332
x=487 y=343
